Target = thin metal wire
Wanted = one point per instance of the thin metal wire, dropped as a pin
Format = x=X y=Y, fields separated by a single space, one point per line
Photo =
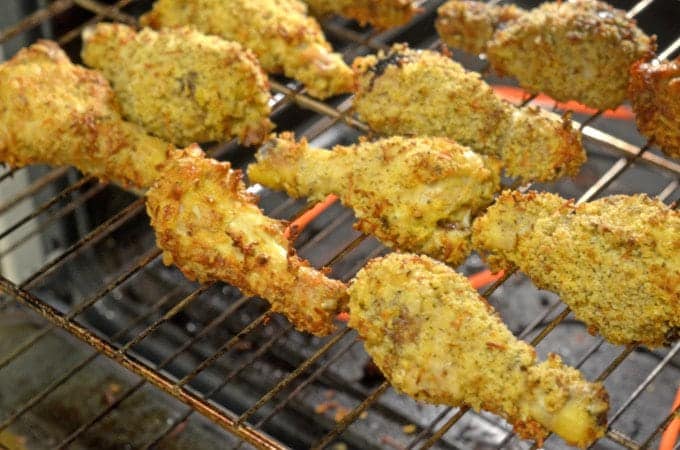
x=293 y=375
x=351 y=417
x=34 y=187
x=109 y=11
x=622 y=440
x=217 y=414
x=44 y=224
x=204 y=332
x=165 y=317
x=612 y=173
x=262 y=318
x=103 y=230
x=262 y=349
x=427 y=430
x=22 y=409
x=142 y=262
x=46 y=205
x=75 y=32
x=642 y=386
x=295 y=392
x=35 y=19
x=10 y=173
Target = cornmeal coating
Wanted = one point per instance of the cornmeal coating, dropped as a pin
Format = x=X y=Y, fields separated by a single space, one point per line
x=415 y=194
x=436 y=339
x=469 y=25
x=571 y=50
x=55 y=112
x=615 y=261
x=182 y=85
x=654 y=91
x=282 y=35
x=212 y=229
x=382 y=14
x=422 y=92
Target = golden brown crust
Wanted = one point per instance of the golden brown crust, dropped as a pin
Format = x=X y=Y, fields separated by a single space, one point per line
x=556 y=148
x=654 y=91
x=55 y=112
x=181 y=85
x=572 y=50
x=211 y=228
x=415 y=194
x=279 y=32
x=469 y=25
x=421 y=92
x=382 y=14
x=614 y=261
x=437 y=340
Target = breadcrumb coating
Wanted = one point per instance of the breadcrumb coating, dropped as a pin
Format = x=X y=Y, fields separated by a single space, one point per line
x=414 y=194
x=541 y=143
x=382 y=14
x=281 y=34
x=615 y=261
x=182 y=85
x=469 y=25
x=437 y=340
x=210 y=227
x=55 y=112
x=422 y=92
x=572 y=50
x=654 y=91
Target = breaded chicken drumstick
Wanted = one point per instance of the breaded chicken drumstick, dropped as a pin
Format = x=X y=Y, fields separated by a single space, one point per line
x=614 y=261
x=437 y=340
x=55 y=112
x=654 y=91
x=415 y=194
x=571 y=50
x=282 y=35
x=212 y=229
x=181 y=85
x=422 y=92
x=382 y=14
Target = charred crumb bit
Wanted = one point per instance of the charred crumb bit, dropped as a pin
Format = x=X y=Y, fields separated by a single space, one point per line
x=187 y=84
x=409 y=429
x=448 y=224
x=379 y=68
x=372 y=374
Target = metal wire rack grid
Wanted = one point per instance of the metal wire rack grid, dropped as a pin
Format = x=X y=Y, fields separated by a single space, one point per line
x=335 y=346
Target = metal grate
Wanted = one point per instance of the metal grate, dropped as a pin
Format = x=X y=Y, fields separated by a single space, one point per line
x=214 y=360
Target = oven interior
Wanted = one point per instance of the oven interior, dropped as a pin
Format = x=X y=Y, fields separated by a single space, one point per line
x=102 y=346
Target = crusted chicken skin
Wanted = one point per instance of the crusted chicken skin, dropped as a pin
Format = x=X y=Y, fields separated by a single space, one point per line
x=469 y=25
x=282 y=35
x=437 y=340
x=422 y=92
x=382 y=14
x=615 y=261
x=55 y=112
x=414 y=194
x=208 y=225
x=654 y=91
x=181 y=85
x=571 y=50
